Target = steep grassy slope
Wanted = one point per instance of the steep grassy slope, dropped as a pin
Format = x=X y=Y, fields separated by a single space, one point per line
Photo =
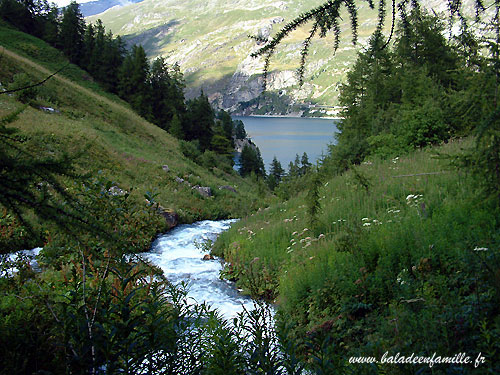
x=111 y=137
x=403 y=257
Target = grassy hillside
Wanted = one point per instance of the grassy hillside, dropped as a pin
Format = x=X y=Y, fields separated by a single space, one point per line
x=111 y=138
x=403 y=258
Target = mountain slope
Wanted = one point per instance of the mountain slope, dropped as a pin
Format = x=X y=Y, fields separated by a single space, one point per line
x=111 y=137
x=210 y=42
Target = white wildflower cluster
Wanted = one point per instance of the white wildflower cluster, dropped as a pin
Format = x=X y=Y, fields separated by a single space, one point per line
x=395 y=160
x=402 y=276
x=290 y=220
x=414 y=200
x=247 y=231
x=339 y=221
x=367 y=222
x=302 y=239
x=367 y=163
x=477 y=248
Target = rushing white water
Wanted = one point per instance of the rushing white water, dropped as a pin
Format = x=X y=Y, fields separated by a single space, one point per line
x=180 y=259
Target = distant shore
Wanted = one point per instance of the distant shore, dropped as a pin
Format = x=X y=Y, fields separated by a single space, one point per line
x=292 y=116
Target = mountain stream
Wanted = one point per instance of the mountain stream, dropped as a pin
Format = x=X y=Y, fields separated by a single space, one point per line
x=178 y=255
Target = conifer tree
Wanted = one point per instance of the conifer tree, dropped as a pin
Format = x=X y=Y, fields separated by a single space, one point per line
x=176 y=127
x=251 y=161
x=276 y=173
x=72 y=31
x=200 y=121
x=133 y=77
x=239 y=130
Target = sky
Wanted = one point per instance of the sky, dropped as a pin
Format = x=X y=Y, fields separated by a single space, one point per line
x=63 y=3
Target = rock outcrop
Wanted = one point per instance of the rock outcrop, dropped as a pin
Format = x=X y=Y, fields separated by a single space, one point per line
x=227 y=187
x=204 y=191
x=171 y=217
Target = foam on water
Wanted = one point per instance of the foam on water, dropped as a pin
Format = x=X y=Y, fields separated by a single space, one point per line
x=179 y=258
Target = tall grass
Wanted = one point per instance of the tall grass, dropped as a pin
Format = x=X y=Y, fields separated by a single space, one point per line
x=394 y=266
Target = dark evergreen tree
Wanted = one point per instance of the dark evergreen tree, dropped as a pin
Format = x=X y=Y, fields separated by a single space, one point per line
x=176 y=127
x=220 y=143
x=227 y=125
x=89 y=46
x=251 y=161
x=276 y=174
x=50 y=25
x=167 y=97
x=199 y=121
x=133 y=77
x=239 y=130
x=305 y=165
x=72 y=31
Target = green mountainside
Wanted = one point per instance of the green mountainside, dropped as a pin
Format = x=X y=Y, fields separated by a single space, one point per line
x=112 y=139
x=210 y=40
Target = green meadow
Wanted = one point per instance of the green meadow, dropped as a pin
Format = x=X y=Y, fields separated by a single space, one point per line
x=402 y=256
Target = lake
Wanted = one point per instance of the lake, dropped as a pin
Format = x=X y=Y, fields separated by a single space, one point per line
x=284 y=137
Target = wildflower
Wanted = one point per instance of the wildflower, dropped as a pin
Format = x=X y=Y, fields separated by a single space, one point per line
x=367 y=224
x=480 y=249
x=365 y=219
x=295 y=233
x=321 y=236
x=326 y=184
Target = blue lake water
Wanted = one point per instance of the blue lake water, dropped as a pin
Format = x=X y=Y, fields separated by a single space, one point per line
x=284 y=137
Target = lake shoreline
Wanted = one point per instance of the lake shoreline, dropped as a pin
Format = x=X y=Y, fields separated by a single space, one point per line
x=296 y=117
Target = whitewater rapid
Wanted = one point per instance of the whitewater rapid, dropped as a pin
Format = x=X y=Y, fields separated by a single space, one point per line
x=177 y=254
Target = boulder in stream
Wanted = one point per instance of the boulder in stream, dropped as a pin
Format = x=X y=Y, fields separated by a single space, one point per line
x=171 y=217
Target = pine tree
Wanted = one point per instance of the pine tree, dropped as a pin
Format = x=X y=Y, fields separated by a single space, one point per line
x=200 y=121
x=276 y=173
x=72 y=30
x=251 y=161
x=176 y=127
x=133 y=78
x=239 y=130
x=167 y=97
x=227 y=125
x=305 y=165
